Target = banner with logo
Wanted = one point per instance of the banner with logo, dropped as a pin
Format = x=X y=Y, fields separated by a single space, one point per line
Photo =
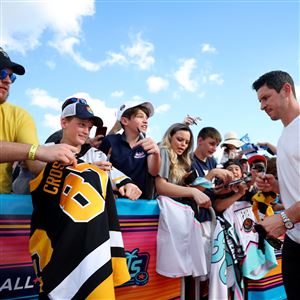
x=138 y=220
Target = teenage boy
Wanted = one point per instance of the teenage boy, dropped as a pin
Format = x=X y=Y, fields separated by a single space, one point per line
x=77 y=120
x=208 y=140
x=132 y=152
x=75 y=242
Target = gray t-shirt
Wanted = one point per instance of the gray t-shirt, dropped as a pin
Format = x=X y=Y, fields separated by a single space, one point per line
x=164 y=171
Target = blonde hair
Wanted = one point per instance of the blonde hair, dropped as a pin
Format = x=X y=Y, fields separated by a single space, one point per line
x=179 y=164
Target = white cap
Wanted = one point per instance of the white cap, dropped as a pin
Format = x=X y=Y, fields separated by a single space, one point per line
x=231 y=138
x=124 y=107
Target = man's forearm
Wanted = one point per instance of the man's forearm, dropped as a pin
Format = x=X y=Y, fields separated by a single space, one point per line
x=293 y=212
x=10 y=151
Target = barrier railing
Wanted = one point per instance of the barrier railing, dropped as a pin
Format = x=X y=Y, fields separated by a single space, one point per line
x=138 y=220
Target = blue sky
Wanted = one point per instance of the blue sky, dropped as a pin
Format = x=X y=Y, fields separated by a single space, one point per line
x=186 y=57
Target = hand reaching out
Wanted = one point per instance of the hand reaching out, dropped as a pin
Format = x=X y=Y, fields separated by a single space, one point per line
x=130 y=191
x=103 y=165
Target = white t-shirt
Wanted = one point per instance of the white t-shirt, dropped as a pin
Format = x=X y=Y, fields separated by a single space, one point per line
x=288 y=169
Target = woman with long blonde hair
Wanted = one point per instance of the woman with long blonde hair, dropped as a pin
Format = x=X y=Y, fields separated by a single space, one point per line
x=180 y=250
x=179 y=164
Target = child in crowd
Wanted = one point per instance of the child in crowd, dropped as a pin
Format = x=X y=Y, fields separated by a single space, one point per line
x=132 y=152
x=231 y=147
x=72 y=123
x=181 y=241
x=75 y=240
x=76 y=125
x=208 y=140
x=205 y=164
x=244 y=253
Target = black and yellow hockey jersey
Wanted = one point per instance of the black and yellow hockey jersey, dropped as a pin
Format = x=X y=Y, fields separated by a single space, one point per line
x=75 y=241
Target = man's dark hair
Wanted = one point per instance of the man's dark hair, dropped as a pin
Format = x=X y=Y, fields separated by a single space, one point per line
x=211 y=132
x=274 y=80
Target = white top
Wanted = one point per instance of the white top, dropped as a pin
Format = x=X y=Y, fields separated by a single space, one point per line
x=94 y=155
x=288 y=169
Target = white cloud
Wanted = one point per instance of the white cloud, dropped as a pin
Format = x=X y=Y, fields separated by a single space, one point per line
x=176 y=95
x=201 y=95
x=136 y=99
x=184 y=73
x=52 y=122
x=25 y=23
x=51 y=64
x=67 y=46
x=208 y=48
x=216 y=78
x=41 y=98
x=139 y=54
x=157 y=84
x=115 y=58
x=117 y=94
x=162 y=108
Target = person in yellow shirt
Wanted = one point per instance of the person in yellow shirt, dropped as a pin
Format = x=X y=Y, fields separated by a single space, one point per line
x=17 y=126
x=11 y=151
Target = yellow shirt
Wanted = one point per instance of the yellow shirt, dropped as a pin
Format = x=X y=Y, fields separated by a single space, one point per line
x=16 y=125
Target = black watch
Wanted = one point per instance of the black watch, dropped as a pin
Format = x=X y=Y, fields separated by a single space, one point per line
x=288 y=224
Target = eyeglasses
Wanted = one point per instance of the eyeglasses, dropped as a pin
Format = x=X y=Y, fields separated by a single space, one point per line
x=4 y=73
x=73 y=100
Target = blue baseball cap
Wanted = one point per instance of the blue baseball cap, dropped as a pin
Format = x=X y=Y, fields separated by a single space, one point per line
x=81 y=111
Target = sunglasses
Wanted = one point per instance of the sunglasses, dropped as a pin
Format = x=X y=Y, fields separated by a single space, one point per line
x=4 y=73
x=275 y=243
x=73 y=100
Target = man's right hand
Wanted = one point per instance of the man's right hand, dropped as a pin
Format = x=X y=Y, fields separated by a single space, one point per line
x=274 y=226
x=59 y=152
x=267 y=183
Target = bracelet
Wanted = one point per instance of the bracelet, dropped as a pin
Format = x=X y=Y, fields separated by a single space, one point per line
x=32 y=152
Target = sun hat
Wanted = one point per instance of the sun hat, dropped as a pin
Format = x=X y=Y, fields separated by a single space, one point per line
x=124 y=107
x=5 y=62
x=230 y=138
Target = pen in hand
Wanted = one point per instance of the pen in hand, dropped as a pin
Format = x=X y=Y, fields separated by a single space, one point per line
x=141 y=134
x=108 y=154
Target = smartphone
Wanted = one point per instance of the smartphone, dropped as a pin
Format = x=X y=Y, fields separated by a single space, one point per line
x=101 y=131
x=191 y=177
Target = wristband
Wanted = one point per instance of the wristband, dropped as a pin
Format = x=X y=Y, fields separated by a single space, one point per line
x=32 y=152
